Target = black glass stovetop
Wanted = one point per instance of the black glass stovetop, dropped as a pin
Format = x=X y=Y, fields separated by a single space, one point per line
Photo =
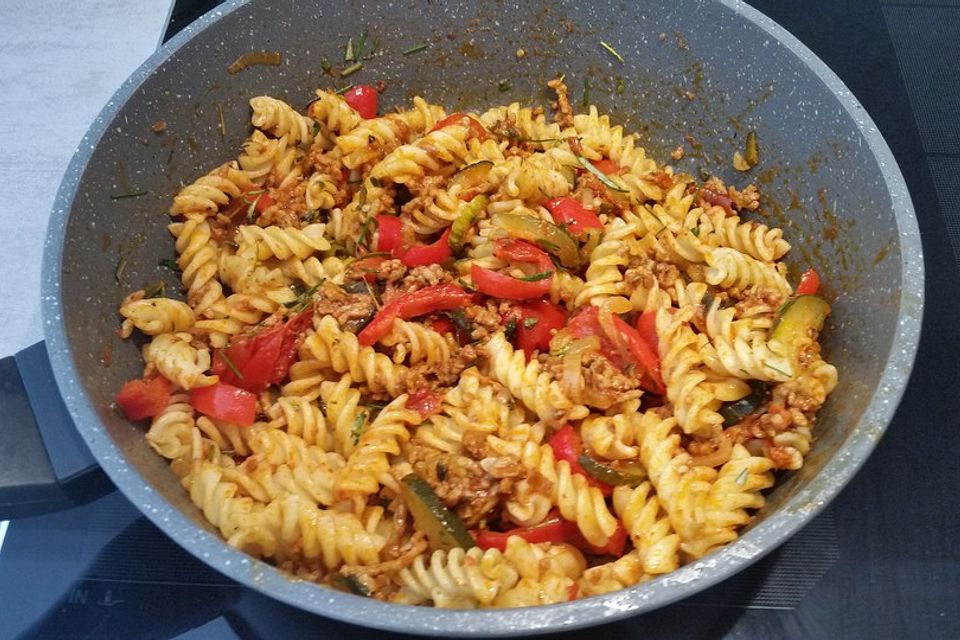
x=882 y=562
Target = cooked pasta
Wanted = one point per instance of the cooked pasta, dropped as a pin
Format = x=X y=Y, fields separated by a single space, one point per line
x=408 y=340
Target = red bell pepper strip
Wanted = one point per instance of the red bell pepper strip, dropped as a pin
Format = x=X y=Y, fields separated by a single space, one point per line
x=264 y=202
x=425 y=402
x=363 y=98
x=424 y=254
x=256 y=362
x=389 y=233
x=606 y=166
x=477 y=129
x=536 y=321
x=498 y=285
x=586 y=324
x=440 y=297
x=647 y=328
x=225 y=402
x=571 y=213
x=139 y=399
x=809 y=283
x=567 y=446
x=644 y=355
x=554 y=530
x=441 y=324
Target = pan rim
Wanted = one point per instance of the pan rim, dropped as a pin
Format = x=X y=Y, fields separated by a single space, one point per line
x=798 y=510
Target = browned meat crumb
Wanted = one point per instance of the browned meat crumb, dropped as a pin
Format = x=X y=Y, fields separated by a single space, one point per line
x=333 y=301
x=460 y=482
x=564 y=112
x=748 y=199
x=159 y=126
x=661 y=178
x=391 y=271
x=486 y=318
x=677 y=154
x=424 y=276
x=445 y=374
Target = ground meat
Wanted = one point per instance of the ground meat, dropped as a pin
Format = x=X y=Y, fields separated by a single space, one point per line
x=486 y=319
x=575 y=145
x=344 y=307
x=781 y=458
x=564 y=112
x=662 y=179
x=604 y=384
x=445 y=374
x=424 y=276
x=758 y=302
x=460 y=482
x=748 y=199
x=677 y=154
x=391 y=271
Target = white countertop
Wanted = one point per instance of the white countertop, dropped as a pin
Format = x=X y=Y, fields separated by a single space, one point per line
x=60 y=62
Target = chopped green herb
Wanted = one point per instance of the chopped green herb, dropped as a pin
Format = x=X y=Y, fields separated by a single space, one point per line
x=374 y=408
x=343 y=90
x=549 y=246
x=348 y=54
x=360 y=44
x=460 y=322
x=169 y=263
x=155 y=289
x=620 y=86
x=695 y=231
x=752 y=155
x=375 y=181
x=227 y=361
x=543 y=275
x=120 y=270
x=311 y=216
x=742 y=477
x=530 y=323
x=356 y=66
x=466 y=285
x=503 y=86
x=316 y=129
x=601 y=176
x=133 y=194
x=252 y=211
x=586 y=92
x=325 y=65
x=358 y=424
x=612 y=51
x=773 y=368
x=510 y=329
x=415 y=48
x=301 y=301
x=366 y=230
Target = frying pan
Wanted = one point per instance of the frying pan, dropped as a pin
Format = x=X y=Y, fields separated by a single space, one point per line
x=696 y=73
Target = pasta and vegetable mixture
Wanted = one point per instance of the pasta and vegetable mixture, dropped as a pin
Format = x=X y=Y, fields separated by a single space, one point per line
x=465 y=360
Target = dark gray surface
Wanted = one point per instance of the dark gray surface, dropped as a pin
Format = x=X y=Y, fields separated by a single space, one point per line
x=875 y=319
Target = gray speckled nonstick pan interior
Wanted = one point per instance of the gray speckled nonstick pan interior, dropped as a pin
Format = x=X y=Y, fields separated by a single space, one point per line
x=826 y=175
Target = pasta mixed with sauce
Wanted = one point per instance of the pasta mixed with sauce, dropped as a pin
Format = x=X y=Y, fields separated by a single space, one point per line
x=465 y=360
